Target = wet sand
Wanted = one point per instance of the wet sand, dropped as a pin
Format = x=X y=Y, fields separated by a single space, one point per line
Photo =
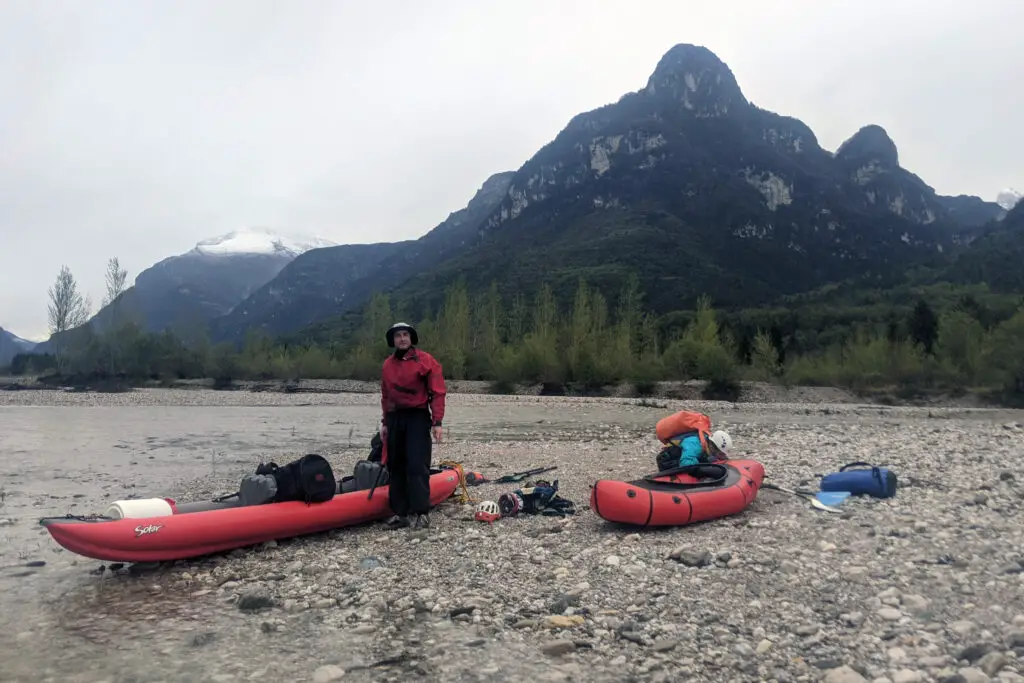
x=807 y=592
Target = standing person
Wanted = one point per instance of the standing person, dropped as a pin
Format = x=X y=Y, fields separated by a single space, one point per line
x=412 y=394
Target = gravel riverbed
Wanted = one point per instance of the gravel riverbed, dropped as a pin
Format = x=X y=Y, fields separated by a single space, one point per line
x=926 y=586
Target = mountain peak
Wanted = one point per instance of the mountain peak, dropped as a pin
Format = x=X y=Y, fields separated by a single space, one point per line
x=696 y=77
x=1008 y=198
x=11 y=345
x=870 y=144
x=16 y=338
x=495 y=186
x=259 y=241
x=1015 y=216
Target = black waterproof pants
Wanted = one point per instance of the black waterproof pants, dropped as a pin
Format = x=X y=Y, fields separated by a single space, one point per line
x=409 y=453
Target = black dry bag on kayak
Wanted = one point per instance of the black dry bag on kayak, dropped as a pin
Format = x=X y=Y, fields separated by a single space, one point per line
x=668 y=458
x=369 y=474
x=309 y=479
x=257 y=489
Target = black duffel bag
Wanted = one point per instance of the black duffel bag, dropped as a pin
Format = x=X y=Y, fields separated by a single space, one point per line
x=309 y=479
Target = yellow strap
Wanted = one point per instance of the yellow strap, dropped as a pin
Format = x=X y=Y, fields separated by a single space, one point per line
x=464 y=496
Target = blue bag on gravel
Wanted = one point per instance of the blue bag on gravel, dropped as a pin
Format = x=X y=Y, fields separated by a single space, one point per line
x=878 y=482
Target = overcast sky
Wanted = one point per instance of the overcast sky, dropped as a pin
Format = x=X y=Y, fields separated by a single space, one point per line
x=136 y=129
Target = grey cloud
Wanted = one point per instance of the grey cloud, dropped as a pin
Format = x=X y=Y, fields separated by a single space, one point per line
x=136 y=129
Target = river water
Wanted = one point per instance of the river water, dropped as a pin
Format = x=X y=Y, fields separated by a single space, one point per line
x=63 y=617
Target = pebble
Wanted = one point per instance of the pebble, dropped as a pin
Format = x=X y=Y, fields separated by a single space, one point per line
x=328 y=673
x=559 y=621
x=555 y=648
x=992 y=662
x=664 y=644
x=692 y=557
x=854 y=574
x=843 y=674
x=915 y=603
x=968 y=675
x=962 y=627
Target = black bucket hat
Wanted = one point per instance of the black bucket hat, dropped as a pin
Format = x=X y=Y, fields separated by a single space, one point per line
x=390 y=336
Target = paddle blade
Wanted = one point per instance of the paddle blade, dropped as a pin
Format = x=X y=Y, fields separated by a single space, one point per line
x=832 y=498
x=815 y=503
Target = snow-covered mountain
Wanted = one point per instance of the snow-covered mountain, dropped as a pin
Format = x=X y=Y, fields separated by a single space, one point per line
x=1008 y=198
x=260 y=241
x=11 y=345
x=184 y=292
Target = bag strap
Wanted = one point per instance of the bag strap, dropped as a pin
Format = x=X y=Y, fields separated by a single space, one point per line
x=303 y=463
x=267 y=468
x=857 y=464
x=876 y=472
x=693 y=470
x=558 y=507
x=306 y=498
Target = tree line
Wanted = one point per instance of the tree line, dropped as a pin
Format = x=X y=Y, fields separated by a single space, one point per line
x=587 y=343
x=68 y=309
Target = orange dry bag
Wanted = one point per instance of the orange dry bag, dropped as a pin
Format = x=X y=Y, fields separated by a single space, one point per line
x=684 y=422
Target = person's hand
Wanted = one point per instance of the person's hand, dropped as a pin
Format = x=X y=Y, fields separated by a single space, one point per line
x=438 y=431
x=383 y=432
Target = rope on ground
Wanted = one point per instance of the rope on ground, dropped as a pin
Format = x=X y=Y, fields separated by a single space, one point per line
x=463 y=496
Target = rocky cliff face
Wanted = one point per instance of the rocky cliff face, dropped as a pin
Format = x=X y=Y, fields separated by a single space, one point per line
x=994 y=257
x=695 y=78
x=871 y=161
x=869 y=152
x=971 y=212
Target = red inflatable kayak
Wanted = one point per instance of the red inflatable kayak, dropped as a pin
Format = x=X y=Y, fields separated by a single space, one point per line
x=206 y=527
x=685 y=495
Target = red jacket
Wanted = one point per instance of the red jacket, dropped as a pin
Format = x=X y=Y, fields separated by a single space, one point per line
x=413 y=381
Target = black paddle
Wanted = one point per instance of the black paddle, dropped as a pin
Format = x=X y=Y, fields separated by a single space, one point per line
x=810 y=497
x=380 y=472
x=376 y=483
x=520 y=476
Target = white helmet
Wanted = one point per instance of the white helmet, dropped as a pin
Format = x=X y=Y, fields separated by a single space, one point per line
x=488 y=506
x=722 y=440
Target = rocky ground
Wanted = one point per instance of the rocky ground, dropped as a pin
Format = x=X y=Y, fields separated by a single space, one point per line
x=926 y=586
x=692 y=390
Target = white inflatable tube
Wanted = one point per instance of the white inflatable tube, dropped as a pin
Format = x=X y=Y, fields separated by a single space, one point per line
x=139 y=508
